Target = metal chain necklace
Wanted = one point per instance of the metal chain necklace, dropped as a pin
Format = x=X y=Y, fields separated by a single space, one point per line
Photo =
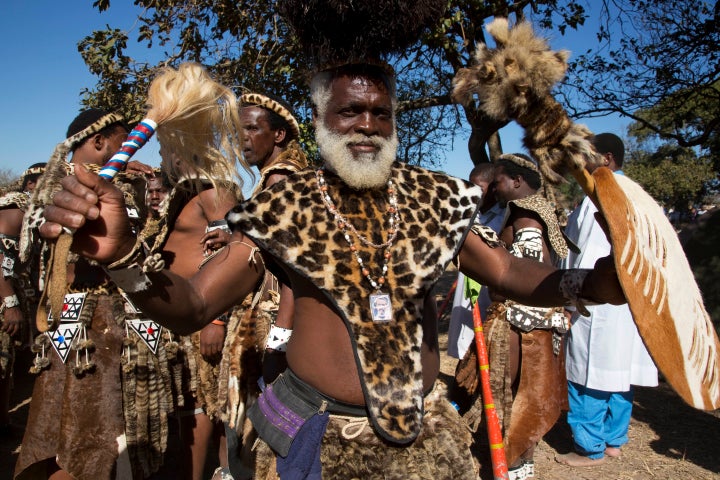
x=380 y=305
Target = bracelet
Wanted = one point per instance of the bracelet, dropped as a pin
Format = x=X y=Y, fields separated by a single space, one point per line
x=10 y=301
x=217 y=321
x=570 y=286
x=278 y=338
x=221 y=224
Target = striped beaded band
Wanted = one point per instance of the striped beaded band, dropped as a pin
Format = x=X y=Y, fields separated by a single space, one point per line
x=135 y=140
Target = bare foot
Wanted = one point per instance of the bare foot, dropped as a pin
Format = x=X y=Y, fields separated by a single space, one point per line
x=576 y=460
x=614 y=452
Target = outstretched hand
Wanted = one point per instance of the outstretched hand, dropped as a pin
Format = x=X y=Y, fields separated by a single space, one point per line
x=95 y=210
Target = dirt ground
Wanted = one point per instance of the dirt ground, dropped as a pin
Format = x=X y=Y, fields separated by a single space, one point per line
x=668 y=439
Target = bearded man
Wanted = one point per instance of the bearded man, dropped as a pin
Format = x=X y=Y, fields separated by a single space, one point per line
x=360 y=228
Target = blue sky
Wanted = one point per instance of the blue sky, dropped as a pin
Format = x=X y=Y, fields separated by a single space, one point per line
x=44 y=74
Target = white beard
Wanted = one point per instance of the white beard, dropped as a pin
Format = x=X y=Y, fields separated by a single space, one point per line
x=367 y=170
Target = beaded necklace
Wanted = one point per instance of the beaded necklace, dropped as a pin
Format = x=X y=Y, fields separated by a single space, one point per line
x=380 y=305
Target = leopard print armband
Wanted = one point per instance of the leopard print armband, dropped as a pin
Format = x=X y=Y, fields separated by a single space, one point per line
x=488 y=235
x=570 y=287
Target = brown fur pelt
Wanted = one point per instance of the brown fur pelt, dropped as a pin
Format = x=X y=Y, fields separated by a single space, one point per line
x=333 y=32
x=241 y=365
x=514 y=82
x=541 y=393
x=440 y=452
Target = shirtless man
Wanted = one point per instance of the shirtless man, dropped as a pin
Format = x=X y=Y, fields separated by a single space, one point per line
x=192 y=206
x=155 y=193
x=17 y=291
x=376 y=372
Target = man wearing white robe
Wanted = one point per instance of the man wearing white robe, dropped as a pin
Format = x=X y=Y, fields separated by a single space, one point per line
x=461 y=333
x=605 y=355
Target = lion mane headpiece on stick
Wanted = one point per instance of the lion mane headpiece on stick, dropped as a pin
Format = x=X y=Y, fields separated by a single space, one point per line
x=514 y=82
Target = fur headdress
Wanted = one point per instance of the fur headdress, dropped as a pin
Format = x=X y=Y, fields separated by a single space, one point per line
x=334 y=32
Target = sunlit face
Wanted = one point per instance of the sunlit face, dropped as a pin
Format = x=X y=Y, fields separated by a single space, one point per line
x=356 y=131
x=258 y=137
x=155 y=193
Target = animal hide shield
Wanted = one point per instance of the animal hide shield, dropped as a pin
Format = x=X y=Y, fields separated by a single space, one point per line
x=663 y=296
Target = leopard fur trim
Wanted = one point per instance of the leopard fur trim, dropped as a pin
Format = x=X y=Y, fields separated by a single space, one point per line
x=15 y=199
x=290 y=161
x=290 y=222
x=536 y=203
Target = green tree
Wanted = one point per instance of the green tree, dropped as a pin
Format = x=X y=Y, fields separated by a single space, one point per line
x=656 y=62
x=672 y=175
x=245 y=44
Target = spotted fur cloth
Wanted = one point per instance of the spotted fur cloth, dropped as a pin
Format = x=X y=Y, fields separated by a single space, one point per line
x=290 y=222
x=290 y=161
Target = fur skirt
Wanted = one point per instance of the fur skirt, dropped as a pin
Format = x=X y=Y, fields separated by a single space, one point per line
x=104 y=413
x=351 y=449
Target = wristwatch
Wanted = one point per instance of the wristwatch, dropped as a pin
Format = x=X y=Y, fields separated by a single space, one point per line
x=10 y=301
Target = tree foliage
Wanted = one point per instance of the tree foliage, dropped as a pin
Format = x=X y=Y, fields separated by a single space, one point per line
x=246 y=45
x=656 y=62
x=673 y=175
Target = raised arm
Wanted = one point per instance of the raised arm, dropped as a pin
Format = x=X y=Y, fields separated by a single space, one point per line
x=95 y=208
x=534 y=283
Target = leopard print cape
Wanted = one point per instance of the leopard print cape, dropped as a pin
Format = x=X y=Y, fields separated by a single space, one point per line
x=553 y=235
x=290 y=222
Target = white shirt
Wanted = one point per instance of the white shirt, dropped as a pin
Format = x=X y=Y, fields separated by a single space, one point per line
x=603 y=351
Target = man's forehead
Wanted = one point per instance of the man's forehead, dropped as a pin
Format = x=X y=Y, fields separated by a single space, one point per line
x=358 y=85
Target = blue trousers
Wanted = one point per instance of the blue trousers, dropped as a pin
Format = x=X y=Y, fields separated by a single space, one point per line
x=598 y=419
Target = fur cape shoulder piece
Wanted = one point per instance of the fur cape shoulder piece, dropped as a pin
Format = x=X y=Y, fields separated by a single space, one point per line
x=15 y=200
x=537 y=204
x=292 y=160
x=290 y=222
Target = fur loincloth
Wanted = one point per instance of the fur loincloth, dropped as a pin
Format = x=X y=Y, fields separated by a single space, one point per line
x=111 y=389
x=440 y=451
x=290 y=222
x=528 y=411
x=105 y=410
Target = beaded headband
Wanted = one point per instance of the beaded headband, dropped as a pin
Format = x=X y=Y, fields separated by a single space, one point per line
x=32 y=171
x=262 y=101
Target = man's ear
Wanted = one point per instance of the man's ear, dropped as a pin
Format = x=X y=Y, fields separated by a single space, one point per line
x=98 y=141
x=608 y=159
x=280 y=135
